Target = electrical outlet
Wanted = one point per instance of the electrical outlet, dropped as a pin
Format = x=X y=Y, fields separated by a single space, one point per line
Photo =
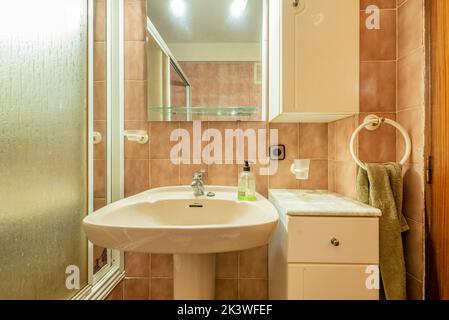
x=277 y=152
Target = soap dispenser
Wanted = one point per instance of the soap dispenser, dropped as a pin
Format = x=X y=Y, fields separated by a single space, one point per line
x=247 y=184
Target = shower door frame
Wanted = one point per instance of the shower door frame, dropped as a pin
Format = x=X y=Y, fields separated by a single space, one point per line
x=104 y=281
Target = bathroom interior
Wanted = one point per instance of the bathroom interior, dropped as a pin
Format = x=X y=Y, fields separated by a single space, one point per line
x=224 y=149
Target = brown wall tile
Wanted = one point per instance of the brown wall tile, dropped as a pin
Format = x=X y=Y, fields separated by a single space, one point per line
x=137 y=265
x=136 y=100
x=382 y=4
x=378 y=44
x=135 y=61
x=162 y=266
x=253 y=289
x=136 y=176
x=313 y=141
x=227 y=265
x=136 y=289
x=226 y=289
x=134 y=150
x=135 y=20
x=378 y=146
x=253 y=263
x=161 y=289
x=378 y=86
x=414 y=249
x=163 y=173
x=117 y=292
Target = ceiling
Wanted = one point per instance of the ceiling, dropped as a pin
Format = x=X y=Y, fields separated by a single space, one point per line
x=207 y=21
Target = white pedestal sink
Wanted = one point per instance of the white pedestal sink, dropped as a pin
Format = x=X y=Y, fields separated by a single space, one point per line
x=170 y=220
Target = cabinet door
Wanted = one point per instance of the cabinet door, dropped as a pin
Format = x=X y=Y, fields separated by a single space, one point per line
x=330 y=282
x=320 y=54
x=310 y=240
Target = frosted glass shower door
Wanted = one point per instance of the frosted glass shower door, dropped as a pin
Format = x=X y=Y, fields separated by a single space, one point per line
x=43 y=148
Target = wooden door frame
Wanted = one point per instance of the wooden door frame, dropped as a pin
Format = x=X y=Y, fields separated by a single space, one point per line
x=427 y=148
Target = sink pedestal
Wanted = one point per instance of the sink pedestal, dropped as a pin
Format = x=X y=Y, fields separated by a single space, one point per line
x=194 y=276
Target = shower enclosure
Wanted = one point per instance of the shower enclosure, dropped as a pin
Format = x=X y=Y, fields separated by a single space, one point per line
x=49 y=88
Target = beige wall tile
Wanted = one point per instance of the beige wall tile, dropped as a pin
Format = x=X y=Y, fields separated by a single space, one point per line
x=345 y=178
x=411 y=80
x=413 y=121
x=331 y=176
x=410 y=27
x=332 y=141
x=414 y=249
x=413 y=204
x=343 y=132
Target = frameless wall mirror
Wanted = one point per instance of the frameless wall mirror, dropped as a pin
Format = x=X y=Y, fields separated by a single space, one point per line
x=206 y=60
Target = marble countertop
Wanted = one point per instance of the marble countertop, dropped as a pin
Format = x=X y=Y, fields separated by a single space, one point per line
x=318 y=203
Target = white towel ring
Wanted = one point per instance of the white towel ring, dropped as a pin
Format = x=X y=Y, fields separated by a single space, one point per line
x=373 y=122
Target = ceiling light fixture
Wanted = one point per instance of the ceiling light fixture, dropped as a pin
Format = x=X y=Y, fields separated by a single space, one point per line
x=178 y=8
x=238 y=7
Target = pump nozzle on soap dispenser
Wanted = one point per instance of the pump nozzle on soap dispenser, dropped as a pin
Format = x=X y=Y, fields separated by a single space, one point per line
x=247 y=184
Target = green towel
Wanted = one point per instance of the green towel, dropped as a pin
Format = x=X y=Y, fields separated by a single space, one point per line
x=381 y=187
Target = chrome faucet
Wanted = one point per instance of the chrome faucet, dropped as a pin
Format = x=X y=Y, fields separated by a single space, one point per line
x=197 y=184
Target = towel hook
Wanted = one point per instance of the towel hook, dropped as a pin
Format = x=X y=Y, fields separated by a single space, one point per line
x=373 y=122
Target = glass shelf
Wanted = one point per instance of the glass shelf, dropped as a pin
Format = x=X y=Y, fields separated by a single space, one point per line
x=206 y=111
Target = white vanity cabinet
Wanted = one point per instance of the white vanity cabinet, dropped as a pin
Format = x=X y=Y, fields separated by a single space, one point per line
x=314 y=60
x=326 y=247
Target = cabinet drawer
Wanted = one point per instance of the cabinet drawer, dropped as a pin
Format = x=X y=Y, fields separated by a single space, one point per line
x=331 y=282
x=310 y=240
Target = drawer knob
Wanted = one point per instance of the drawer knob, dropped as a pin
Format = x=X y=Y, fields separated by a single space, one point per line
x=335 y=242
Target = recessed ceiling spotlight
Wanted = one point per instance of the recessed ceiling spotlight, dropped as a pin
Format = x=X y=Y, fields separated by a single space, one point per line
x=238 y=7
x=178 y=8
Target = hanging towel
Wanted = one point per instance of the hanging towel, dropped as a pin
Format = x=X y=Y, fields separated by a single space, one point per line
x=381 y=187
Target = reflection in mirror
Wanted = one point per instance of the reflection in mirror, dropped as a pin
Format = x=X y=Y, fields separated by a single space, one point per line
x=216 y=56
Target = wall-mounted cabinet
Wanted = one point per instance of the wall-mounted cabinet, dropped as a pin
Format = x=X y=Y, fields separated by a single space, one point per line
x=314 y=60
